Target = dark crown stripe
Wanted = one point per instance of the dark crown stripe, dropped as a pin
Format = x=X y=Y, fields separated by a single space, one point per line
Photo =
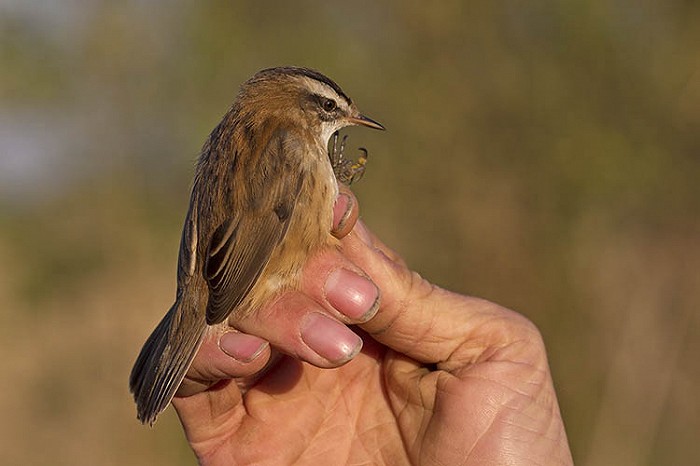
x=309 y=73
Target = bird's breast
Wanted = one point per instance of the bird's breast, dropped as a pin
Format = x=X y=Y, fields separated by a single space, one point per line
x=309 y=229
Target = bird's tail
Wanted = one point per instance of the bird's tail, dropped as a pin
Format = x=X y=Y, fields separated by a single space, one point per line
x=164 y=360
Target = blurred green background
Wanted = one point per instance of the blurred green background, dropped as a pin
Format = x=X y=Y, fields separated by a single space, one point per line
x=544 y=155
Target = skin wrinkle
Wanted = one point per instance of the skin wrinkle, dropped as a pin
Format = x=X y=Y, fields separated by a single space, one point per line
x=480 y=436
x=488 y=352
x=521 y=342
x=518 y=438
x=389 y=359
x=235 y=425
x=271 y=397
x=399 y=307
x=390 y=323
x=498 y=384
x=399 y=381
x=410 y=445
x=342 y=397
x=509 y=421
x=550 y=419
x=521 y=427
x=425 y=337
x=381 y=448
x=308 y=440
x=441 y=387
x=373 y=374
x=394 y=396
x=496 y=419
x=319 y=396
x=371 y=241
x=405 y=441
x=357 y=434
x=215 y=444
x=483 y=352
x=378 y=448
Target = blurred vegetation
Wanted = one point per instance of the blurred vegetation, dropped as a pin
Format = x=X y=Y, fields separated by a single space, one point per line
x=544 y=155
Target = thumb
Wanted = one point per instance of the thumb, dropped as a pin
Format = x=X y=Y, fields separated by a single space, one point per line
x=424 y=321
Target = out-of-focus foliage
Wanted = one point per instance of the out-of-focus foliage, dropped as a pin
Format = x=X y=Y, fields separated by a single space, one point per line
x=545 y=155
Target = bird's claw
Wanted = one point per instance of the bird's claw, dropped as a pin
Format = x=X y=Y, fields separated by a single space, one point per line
x=346 y=171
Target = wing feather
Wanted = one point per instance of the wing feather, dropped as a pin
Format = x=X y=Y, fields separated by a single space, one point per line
x=241 y=246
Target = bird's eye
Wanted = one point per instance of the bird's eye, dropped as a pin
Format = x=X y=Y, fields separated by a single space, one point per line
x=328 y=105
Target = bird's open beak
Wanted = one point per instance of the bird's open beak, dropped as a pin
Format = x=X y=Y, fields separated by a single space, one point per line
x=365 y=121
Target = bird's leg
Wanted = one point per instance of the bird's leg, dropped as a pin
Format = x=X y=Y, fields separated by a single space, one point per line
x=346 y=171
x=336 y=152
x=355 y=171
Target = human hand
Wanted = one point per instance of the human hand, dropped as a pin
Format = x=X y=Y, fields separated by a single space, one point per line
x=441 y=378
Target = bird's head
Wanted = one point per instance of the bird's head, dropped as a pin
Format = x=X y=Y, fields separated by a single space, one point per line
x=303 y=98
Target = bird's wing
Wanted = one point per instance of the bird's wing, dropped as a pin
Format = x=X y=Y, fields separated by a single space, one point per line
x=169 y=351
x=241 y=246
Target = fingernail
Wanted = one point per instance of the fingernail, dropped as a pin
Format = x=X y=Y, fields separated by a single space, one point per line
x=242 y=347
x=352 y=295
x=329 y=338
x=341 y=211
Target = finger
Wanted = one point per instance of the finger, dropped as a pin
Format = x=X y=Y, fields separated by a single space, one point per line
x=301 y=327
x=424 y=321
x=341 y=287
x=344 y=290
x=311 y=323
x=225 y=354
x=345 y=212
x=371 y=240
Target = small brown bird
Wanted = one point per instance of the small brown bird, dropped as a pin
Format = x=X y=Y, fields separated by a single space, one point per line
x=262 y=201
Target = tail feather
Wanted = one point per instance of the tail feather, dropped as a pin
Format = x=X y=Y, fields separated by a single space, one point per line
x=163 y=362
